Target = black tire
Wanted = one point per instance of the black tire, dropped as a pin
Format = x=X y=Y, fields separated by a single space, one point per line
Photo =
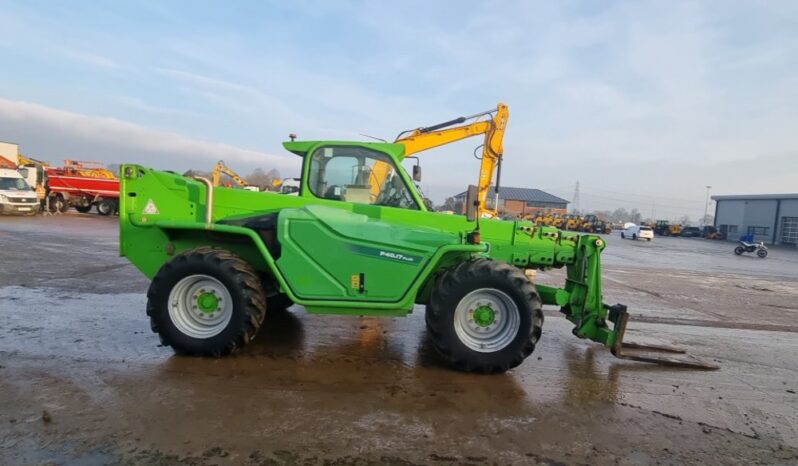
x=105 y=207
x=762 y=253
x=482 y=274
x=634 y=236
x=278 y=303
x=58 y=204
x=648 y=239
x=240 y=280
x=623 y=236
x=739 y=250
x=83 y=209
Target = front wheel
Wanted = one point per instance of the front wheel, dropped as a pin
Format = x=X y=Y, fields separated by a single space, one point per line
x=484 y=316
x=58 y=204
x=763 y=253
x=739 y=250
x=206 y=302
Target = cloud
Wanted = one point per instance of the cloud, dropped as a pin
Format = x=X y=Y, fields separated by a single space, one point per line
x=91 y=59
x=138 y=104
x=656 y=98
x=52 y=134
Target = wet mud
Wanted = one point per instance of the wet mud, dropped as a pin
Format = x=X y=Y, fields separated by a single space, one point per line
x=84 y=381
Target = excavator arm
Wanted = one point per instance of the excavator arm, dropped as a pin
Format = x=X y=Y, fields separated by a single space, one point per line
x=422 y=139
x=30 y=161
x=220 y=168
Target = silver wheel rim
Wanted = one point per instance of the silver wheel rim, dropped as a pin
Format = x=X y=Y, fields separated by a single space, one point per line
x=189 y=307
x=487 y=338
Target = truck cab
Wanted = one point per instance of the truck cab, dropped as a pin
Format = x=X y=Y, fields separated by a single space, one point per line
x=16 y=195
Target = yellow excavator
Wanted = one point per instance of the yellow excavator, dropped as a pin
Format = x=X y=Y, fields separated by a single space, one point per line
x=492 y=123
x=220 y=168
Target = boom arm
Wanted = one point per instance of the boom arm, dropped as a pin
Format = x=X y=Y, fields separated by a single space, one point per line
x=222 y=168
x=23 y=161
x=421 y=139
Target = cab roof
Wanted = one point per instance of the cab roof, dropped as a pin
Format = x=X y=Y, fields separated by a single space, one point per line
x=301 y=148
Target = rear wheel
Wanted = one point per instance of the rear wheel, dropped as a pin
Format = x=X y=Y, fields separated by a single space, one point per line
x=278 y=303
x=739 y=250
x=206 y=302
x=648 y=239
x=622 y=235
x=763 y=253
x=634 y=236
x=484 y=316
x=83 y=209
x=105 y=207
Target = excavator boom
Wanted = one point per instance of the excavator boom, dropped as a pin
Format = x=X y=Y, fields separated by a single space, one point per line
x=425 y=138
x=220 y=168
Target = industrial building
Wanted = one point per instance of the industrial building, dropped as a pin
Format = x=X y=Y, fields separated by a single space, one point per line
x=772 y=218
x=519 y=201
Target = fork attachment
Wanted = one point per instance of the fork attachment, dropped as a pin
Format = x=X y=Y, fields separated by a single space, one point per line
x=619 y=316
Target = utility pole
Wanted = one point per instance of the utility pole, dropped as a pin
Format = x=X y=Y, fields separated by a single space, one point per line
x=706 y=207
x=576 y=198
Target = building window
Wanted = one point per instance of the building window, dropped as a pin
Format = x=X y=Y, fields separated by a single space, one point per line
x=758 y=231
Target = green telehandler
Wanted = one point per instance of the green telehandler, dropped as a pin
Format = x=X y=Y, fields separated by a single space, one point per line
x=358 y=240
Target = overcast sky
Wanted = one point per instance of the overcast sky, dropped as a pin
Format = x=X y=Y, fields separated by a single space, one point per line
x=645 y=103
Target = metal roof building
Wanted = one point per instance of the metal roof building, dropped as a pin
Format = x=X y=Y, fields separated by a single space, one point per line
x=772 y=218
x=520 y=201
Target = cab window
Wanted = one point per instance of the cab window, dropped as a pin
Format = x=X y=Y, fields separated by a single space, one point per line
x=359 y=175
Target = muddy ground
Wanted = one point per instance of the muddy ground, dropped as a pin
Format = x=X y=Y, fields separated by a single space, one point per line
x=83 y=380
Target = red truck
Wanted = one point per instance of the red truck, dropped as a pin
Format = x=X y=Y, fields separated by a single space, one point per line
x=83 y=184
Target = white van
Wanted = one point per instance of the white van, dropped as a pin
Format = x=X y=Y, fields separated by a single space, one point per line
x=16 y=195
x=633 y=231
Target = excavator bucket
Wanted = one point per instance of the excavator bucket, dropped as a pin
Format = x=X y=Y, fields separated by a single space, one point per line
x=673 y=357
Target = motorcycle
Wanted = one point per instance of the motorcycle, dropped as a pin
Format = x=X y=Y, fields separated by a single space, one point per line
x=761 y=250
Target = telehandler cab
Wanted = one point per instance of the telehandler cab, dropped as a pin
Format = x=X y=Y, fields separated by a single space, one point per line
x=359 y=240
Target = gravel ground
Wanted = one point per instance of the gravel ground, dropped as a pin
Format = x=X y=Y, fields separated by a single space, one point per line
x=84 y=381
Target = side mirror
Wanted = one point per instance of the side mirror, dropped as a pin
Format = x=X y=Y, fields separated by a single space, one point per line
x=472 y=203
x=417 y=173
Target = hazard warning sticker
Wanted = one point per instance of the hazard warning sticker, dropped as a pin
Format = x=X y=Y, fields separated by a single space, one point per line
x=150 y=208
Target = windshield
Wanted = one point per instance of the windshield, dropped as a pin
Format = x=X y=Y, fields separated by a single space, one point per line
x=359 y=175
x=645 y=228
x=14 y=184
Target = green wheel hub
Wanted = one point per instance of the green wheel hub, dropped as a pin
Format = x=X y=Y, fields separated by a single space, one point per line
x=200 y=306
x=486 y=320
x=207 y=301
x=484 y=316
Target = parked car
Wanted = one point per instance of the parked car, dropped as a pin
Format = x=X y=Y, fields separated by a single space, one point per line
x=691 y=232
x=633 y=231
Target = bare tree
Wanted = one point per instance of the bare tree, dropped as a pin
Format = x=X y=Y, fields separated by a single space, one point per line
x=263 y=179
x=635 y=216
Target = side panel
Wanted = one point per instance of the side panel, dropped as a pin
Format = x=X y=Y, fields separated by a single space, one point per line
x=331 y=253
